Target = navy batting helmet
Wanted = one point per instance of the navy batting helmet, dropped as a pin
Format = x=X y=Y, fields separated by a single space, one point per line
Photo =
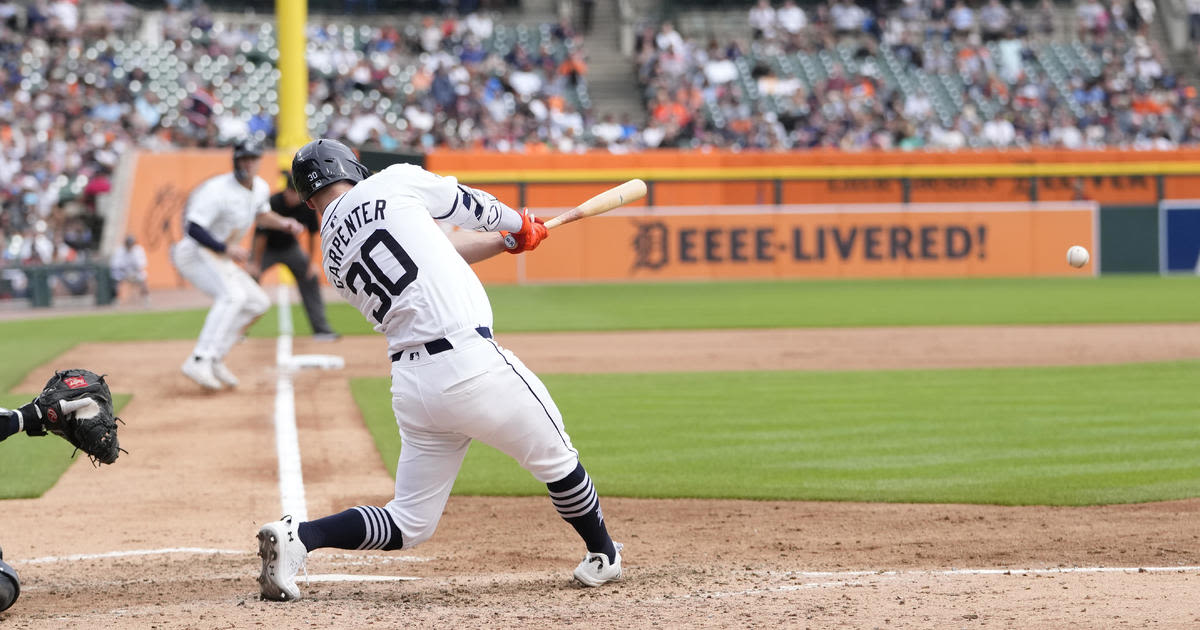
x=323 y=162
x=245 y=148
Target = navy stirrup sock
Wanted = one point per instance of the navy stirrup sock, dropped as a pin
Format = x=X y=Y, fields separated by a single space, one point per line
x=577 y=502
x=362 y=527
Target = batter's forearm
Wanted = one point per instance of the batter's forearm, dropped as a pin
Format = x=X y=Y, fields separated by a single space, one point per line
x=476 y=246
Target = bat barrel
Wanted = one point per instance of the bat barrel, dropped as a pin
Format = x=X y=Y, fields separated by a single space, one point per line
x=614 y=197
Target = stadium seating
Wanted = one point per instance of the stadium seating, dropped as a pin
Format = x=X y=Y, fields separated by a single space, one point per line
x=905 y=79
x=1069 y=87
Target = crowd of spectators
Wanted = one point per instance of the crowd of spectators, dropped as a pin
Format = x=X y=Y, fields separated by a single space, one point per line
x=72 y=101
x=62 y=129
x=694 y=96
x=443 y=86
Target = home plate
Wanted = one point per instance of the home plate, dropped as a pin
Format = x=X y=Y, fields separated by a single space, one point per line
x=321 y=361
x=346 y=577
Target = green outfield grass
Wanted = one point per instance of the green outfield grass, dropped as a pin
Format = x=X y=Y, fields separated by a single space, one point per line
x=781 y=304
x=737 y=304
x=1053 y=436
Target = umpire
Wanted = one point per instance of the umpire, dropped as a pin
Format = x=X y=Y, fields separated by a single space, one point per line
x=274 y=246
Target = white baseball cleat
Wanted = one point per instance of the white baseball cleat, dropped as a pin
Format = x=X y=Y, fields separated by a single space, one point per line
x=282 y=556
x=200 y=370
x=223 y=374
x=595 y=569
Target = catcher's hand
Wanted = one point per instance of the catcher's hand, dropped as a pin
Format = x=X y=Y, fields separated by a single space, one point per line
x=77 y=406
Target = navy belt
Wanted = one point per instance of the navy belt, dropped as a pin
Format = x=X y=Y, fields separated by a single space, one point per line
x=441 y=345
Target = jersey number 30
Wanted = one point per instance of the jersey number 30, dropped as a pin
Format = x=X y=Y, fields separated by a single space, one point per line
x=374 y=281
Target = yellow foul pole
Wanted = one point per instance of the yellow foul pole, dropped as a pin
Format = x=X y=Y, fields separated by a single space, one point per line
x=292 y=123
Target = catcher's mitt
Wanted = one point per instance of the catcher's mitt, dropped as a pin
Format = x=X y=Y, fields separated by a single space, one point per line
x=78 y=408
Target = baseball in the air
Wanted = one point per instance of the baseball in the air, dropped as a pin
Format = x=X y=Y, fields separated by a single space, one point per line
x=1077 y=256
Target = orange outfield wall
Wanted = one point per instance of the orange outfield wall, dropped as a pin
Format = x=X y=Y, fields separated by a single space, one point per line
x=916 y=240
x=1109 y=188
x=161 y=185
x=693 y=244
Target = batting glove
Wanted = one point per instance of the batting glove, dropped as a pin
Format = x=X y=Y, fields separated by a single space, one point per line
x=533 y=230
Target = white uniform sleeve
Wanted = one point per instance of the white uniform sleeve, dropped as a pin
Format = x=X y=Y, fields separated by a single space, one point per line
x=262 y=196
x=449 y=201
x=200 y=207
x=139 y=257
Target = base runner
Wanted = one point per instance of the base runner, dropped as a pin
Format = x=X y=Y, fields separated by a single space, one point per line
x=451 y=382
x=219 y=211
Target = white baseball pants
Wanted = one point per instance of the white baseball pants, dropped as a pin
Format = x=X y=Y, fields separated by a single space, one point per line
x=238 y=300
x=475 y=391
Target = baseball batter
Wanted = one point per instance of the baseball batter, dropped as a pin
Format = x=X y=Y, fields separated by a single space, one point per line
x=219 y=211
x=451 y=382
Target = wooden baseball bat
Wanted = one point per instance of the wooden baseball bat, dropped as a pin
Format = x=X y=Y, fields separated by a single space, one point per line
x=614 y=197
x=610 y=199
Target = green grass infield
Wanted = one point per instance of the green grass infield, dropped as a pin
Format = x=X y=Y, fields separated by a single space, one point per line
x=1045 y=436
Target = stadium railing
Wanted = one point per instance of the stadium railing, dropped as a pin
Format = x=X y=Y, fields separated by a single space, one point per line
x=78 y=279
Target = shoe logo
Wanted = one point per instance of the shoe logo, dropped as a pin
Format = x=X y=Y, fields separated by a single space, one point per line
x=599 y=562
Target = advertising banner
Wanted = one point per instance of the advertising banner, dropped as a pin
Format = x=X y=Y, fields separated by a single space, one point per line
x=716 y=240
x=868 y=240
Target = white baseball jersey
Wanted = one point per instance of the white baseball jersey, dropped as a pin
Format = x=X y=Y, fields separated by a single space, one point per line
x=385 y=253
x=226 y=208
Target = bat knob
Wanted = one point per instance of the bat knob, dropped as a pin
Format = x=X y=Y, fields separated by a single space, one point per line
x=510 y=241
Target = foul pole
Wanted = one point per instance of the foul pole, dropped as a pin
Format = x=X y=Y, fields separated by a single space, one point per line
x=292 y=122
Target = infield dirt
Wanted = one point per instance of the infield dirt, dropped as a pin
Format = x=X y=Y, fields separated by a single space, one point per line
x=201 y=473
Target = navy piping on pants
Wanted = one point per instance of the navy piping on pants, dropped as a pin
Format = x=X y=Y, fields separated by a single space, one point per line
x=535 y=397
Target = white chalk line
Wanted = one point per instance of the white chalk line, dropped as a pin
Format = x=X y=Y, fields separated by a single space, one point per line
x=134 y=553
x=314 y=578
x=844 y=579
x=287 y=439
x=1010 y=571
x=204 y=551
